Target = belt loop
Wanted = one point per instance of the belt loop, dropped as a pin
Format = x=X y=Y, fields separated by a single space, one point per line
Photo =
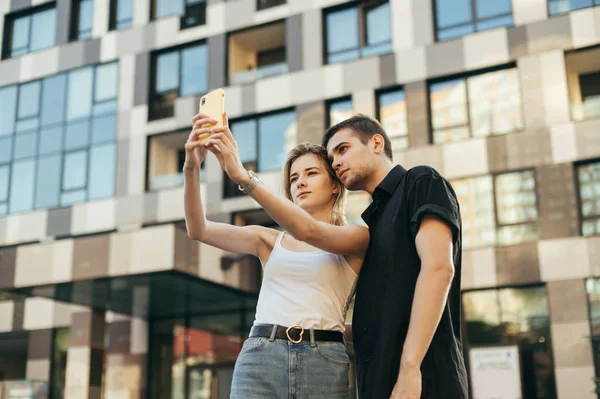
x=312 y=337
x=273 y=332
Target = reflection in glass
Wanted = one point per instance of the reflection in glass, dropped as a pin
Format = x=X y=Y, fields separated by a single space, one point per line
x=340 y=110
x=167 y=72
x=25 y=145
x=106 y=82
x=75 y=170
x=272 y=132
x=48 y=181
x=124 y=14
x=378 y=24
x=53 y=99
x=449 y=111
x=102 y=172
x=51 y=140
x=557 y=7
x=475 y=196
x=6 y=146
x=20 y=36
x=86 y=17
x=515 y=197
x=245 y=134
x=104 y=129
x=8 y=105
x=22 y=186
x=72 y=197
x=589 y=193
x=393 y=117
x=80 y=93
x=4 y=178
x=487 y=9
x=342 y=34
x=43 y=30
x=29 y=100
x=77 y=134
x=194 y=70
x=456 y=18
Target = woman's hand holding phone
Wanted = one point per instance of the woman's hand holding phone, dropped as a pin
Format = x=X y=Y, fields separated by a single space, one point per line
x=195 y=149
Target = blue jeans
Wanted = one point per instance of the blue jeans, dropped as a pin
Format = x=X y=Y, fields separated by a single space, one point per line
x=276 y=368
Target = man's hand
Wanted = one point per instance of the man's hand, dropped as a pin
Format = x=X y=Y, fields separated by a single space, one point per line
x=409 y=383
x=223 y=145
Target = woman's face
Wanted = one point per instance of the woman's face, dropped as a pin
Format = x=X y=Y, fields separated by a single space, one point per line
x=311 y=187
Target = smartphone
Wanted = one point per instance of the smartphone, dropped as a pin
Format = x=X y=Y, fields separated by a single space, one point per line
x=213 y=105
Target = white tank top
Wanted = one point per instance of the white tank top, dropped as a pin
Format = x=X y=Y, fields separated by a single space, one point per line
x=309 y=289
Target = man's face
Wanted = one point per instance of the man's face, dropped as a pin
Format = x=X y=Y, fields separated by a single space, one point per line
x=350 y=158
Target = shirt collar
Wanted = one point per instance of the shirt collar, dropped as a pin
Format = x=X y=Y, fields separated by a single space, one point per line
x=385 y=189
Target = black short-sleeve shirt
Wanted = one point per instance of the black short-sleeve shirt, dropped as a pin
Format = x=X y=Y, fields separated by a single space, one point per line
x=386 y=286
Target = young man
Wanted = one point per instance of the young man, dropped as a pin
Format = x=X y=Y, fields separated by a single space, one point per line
x=406 y=323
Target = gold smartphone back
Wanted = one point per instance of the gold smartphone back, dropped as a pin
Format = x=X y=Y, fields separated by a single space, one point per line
x=213 y=105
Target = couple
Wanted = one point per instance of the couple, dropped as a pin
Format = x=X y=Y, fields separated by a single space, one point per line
x=405 y=269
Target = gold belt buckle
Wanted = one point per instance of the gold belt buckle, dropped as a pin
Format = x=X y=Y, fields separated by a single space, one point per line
x=287 y=332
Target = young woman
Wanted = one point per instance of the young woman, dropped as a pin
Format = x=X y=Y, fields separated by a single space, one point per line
x=296 y=344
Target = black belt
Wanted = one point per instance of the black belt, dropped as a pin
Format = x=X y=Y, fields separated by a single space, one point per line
x=296 y=334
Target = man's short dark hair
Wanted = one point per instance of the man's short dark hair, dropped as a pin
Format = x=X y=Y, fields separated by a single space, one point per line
x=365 y=128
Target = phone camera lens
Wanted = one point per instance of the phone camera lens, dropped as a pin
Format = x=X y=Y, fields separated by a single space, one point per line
x=203 y=101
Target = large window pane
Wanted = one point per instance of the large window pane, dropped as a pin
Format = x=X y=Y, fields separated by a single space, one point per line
x=486 y=8
x=25 y=145
x=453 y=12
x=102 y=172
x=393 y=117
x=495 y=103
x=53 y=99
x=4 y=179
x=245 y=135
x=80 y=93
x=51 y=139
x=77 y=134
x=482 y=317
x=104 y=129
x=378 y=24
x=124 y=13
x=194 y=70
x=165 y=8
x=48 y=181
x=589 y=194
x=75 y=170
x=20 y=37
x=475 y=196
x=29 y=100
x=515 y=197
x=22 y=186
x=86 y=18
x=167 y=72
x=8 y=105
x=6 y=149
x=449 y=111
x=106 y=82
x=342 y=30
x=272 y=133
x=43 y=30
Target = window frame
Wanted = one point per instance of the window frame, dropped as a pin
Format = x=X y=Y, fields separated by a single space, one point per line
x=362 y=8
x=581 y=218
x=328 y=104
x=74 y=32
x=153 y=95
x=473 y=21
x=113 y=18
x=465 y=76
x=9 y=20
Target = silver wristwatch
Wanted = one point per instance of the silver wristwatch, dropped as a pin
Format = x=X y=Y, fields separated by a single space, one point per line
x=254 y=181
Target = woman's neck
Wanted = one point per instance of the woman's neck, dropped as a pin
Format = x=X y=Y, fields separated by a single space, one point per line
x=322 y=215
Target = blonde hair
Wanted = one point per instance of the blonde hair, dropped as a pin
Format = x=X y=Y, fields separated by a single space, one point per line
x=337 y=216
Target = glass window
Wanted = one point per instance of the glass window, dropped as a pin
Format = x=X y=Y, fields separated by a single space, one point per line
x=22 y=186
x=53 y=99
x=244 y=133
x=500 y=210
x=51 y=159
x=393 y=117
x=589 y=85
x=4 y=179
x=195 y=14
x=557 y=7
x=179 y=72
x=166 y=8
x=31 y=32
x=8 y=105
x=456 y=18
x=263 y=4
x=589 y=198
x=515 y=316
x=339 y=110
x=361 y=31
x=476 y=106
x=83 y=18
x=121 y=14
x=274 y=131
x=48 y=181
x=80 y=93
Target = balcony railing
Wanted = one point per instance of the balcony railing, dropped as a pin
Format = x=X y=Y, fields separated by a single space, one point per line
x=259 y=73
x=172 y=180
x=587 y=110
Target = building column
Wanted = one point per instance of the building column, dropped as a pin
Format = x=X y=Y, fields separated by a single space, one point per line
x=39 y=355
x=85 y=356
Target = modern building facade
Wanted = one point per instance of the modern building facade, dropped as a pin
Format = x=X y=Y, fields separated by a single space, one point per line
x=102 y=294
